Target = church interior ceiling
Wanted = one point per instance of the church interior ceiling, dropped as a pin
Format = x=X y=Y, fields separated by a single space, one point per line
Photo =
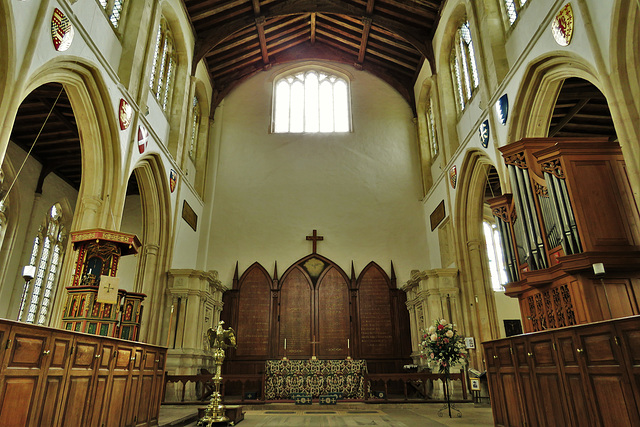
x=239 y=38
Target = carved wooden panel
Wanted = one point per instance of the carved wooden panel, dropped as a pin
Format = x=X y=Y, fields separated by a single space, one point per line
x=295 y=315
x=54 y=381
x=333 y=315
x=376 y=325
x=254 y=303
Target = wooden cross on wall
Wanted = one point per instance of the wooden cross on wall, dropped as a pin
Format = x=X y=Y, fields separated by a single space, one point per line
x=315 y=239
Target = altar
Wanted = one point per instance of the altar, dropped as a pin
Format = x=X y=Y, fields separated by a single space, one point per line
x=314 y=377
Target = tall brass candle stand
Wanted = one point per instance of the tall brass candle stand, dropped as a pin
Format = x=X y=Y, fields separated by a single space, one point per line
x=219 y=340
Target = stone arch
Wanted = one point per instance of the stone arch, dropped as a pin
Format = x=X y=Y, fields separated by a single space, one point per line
x=154 y=254
x=533 y=106
x=625 y=80
x=7 y=52
x=100 y=150
x=9 y=231
x=477 y=296
x=202 y=138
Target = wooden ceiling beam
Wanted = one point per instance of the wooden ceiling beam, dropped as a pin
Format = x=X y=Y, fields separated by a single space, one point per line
x=366 y=22
x=313 y=28
x=558 y=127
x=210 y=11
x=261 y=37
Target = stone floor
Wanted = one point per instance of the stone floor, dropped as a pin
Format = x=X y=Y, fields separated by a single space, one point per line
x=343 y=414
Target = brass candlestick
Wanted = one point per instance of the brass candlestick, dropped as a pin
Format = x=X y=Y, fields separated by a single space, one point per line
x=219 y=340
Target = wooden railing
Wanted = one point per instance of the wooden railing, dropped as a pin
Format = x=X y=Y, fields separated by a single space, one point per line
x=414 y=386
x=202 y=386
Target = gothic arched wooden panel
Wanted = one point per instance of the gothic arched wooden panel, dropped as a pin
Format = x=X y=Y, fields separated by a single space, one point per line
x=332 y=304
x=374 y=306
x=254 y=304
x=295 y=314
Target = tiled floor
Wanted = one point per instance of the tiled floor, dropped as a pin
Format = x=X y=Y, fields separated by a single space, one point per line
x=353 y=414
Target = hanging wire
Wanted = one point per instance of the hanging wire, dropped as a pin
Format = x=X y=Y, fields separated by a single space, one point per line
x=15 y=178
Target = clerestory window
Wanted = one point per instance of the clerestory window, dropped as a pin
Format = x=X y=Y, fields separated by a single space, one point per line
x=513 y=8
x=113 y=8
x=195 y=127
x=463 y=66
x=164 y=65
x=431 y=130
x=311 y=101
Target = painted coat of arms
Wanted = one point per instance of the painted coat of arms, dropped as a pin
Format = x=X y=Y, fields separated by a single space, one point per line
x=61 y=31
x=484 y=133
x=173 y=180
x=502 y=108
x=453 y=176
x=562 y=25
x=125 y=112
x=143 y=139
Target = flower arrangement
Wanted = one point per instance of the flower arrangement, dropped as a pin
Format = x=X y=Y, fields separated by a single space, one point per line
x=442 y=346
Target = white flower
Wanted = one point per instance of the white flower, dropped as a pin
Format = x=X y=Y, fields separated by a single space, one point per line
x=449 y=333
x=434 y=337
x=432 y=329
x=443 y=322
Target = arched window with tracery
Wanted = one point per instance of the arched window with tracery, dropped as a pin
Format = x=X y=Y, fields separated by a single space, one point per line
x=113 y=8
x=164 y=65
x=46 y=255
x=513 y=9
x=463 y=66
x=311 y=101
x=195 y=128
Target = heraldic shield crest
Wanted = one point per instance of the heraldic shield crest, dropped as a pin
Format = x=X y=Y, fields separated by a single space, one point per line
x=143 y=139
x=562 y=25
x=453 y=176
x=125 y=112
x=502 y=109
x=173 y=180
x=484 y=133
x=61 y=31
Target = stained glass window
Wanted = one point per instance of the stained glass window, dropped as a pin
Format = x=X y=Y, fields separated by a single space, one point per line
x=163 y=66
x=464 y=70
x=46 y=256
x=311 y=101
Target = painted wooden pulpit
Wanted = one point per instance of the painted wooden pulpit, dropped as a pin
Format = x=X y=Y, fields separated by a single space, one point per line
x=94 y=303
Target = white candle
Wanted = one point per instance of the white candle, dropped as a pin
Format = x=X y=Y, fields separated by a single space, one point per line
x=285 y=343
x=348 y=346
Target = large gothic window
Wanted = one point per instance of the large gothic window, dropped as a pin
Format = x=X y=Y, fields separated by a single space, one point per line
x=46 y=257
x=431 y=130
x=463 y=66
x=195 y=127
x=113 y=8
x=513 y=8
x=311 y=101
x=164 y=65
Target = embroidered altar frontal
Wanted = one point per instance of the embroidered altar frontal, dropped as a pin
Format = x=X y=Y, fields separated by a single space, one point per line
x=314 y=377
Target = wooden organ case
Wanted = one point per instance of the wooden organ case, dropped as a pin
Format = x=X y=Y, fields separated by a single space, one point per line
x=98 y=254
x=571 y=208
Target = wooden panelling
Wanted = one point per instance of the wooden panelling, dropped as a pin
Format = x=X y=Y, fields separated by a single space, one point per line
x=254 y=302
x=376 y=324
x=583 y=375
x=50 y=377
x=332 y=303
x=296 y=314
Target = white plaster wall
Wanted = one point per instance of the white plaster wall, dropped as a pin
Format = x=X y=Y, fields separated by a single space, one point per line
x=507 y=308
x=31 y=217
x=131 y=223
x=360 y=190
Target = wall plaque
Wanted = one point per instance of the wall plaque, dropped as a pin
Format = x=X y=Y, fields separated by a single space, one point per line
x=437 y=215
x=189 y=215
